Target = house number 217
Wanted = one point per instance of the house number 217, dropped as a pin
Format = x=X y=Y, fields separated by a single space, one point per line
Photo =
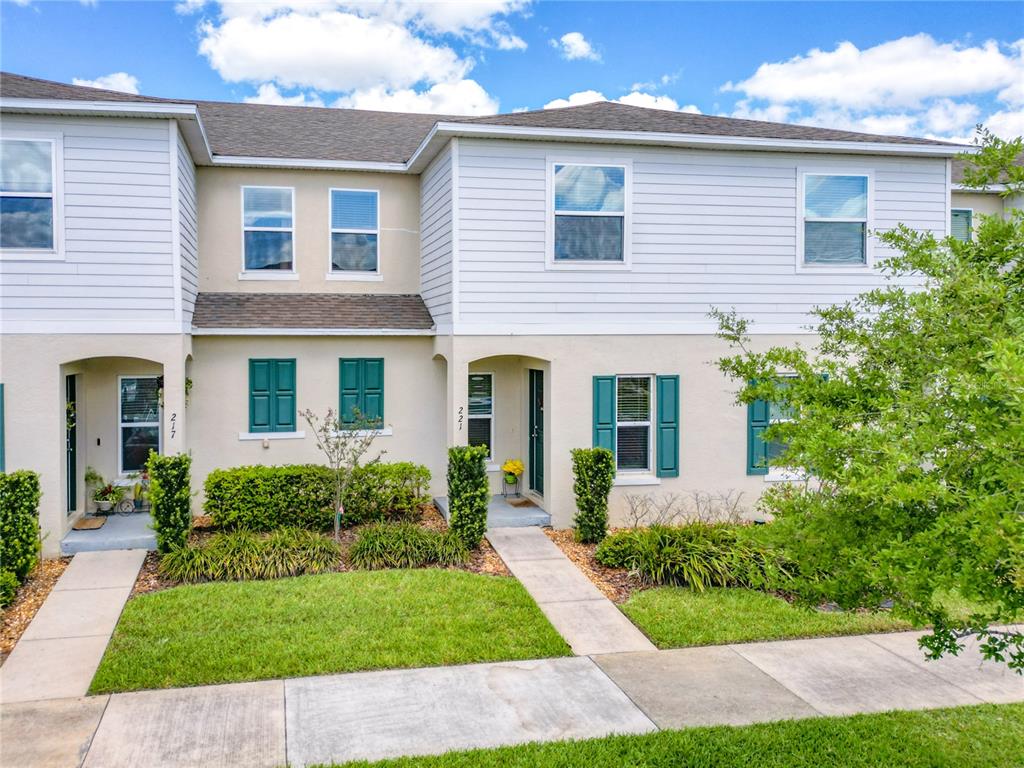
x=174 y=425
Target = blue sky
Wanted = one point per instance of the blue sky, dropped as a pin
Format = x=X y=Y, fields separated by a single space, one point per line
x=903 y=68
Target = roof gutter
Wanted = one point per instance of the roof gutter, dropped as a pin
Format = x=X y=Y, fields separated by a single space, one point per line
x=987 y=189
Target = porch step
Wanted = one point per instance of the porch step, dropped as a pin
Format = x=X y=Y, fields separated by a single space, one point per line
x=119 y=532
x=501 y=514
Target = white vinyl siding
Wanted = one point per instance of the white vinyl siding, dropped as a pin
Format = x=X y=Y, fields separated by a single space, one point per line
x=709 y=229
x=188 y=219
x=117 y=261
x=436 y=237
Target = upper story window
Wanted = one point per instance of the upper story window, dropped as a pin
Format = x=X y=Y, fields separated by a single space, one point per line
x=355 y=227
x=268 y=217
x=27 y=195
x=590 y=225
x=835 y=220
x=961 y=223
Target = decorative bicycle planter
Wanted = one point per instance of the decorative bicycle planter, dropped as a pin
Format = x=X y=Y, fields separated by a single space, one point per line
x=512 y=475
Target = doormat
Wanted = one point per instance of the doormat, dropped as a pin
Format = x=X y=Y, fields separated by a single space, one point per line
x=89 y=523
x=522 y=503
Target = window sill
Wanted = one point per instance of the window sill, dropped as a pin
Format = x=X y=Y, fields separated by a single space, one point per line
x=587 y=266
x=630 y=480
x=271 y=435
x=833 y=269
x=492 y=467
x=282 y=275
x=30 y=254
x=382 y=432
x=783 y=476
x=347 y=277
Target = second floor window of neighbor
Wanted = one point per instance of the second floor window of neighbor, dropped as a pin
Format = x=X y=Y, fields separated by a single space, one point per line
x=354 y=230
x=26 y=194
x=268 y=214
x=590 y=213
x=835 y=220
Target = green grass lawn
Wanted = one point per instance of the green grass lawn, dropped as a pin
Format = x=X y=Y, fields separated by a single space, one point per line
x=984 y=736
x=676 y=617
x=339 y=622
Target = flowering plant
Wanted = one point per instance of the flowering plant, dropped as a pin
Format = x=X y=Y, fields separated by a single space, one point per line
x=512 y=468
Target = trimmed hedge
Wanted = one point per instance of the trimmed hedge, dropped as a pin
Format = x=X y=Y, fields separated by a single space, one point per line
x=468 y=493
x=267 y=498
x=593 y=471
x=405 y=545
x=19 y=522
x=8 y=588
x=697 y=555
x=170 y=492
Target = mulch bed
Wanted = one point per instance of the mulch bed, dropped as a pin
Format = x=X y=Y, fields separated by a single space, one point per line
x=15 y=618
x=617 y=584
x=482 y=560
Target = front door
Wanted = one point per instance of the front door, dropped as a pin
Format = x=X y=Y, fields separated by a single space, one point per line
x=71 y=440
x=537 y=431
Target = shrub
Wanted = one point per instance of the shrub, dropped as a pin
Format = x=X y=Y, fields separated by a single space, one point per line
x=170 y=492
x=8 y=588
x=302 y=495
x=468 y=492
x=405 y=545
x=243 y=555
x=697 y=555
x=593 y=471
x=19 y=522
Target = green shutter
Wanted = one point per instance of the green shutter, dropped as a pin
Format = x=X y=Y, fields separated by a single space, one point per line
x=272 y=395
x=960 y=223
x=361 y=388
x=604 y=412
x=758 y=414
x=668 y=426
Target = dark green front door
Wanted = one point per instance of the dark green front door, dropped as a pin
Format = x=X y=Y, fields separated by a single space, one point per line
x=71 y=440
x=537 y=431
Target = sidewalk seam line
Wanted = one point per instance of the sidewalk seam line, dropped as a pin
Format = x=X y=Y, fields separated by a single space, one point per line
x=927 y=671
x=632 y=701
x=772 y=677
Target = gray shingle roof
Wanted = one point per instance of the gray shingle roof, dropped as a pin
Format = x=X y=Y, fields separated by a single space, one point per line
x=338 y=311
x=262 y=130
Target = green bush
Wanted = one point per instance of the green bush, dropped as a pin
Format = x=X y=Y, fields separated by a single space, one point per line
x=243 y=556
x=593 y=471
x=19 y=522
x=697 y=555
x=405 y=545
x=8 y=588
x=302 y=495
x=468 y=493
x=170 y=492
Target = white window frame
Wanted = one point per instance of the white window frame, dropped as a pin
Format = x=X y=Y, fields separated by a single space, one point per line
x=268 y=274
x=627 y=215
x=868 y=221
x=970 y=232
x=122 y=424
x=343 y=275
x=56 y=194
x=489 y=417
x=778 y=474
x=649 y=423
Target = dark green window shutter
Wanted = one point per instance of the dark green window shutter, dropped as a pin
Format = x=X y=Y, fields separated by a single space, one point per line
x=960 y=223
x=668 y=426
x=604 y=412
x=361 y=387
x=272 y=395
x=758 y=414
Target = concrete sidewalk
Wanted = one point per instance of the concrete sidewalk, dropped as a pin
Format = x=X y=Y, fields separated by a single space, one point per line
x=61 y=649
x=373 y=715
x=588 y=620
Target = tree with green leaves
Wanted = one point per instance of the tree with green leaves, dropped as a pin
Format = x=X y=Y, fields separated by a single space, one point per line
x=906 y=419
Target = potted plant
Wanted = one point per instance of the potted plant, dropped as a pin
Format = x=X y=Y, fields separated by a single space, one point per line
x=107 y=496
x=513 y=470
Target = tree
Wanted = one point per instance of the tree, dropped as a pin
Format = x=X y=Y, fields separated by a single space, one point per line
x=907 y=421
x=344 y=445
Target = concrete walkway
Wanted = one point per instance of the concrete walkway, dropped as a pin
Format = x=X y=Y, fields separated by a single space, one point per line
x=61 y=649
x=373 y=715
x=588 y=621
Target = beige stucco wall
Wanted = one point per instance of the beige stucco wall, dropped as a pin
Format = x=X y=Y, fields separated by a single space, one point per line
x=414 y=385
x=220 y=231
x=33 y=370
x=988 y=204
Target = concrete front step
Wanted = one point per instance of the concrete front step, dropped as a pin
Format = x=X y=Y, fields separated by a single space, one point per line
x=119 y=532
x=502 y=514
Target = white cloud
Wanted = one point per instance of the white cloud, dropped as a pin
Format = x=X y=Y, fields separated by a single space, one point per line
x=269 y=93
x=634 y=98
x=464 y=97
x=1008 y=123
x=574 y=46
x=897 y=73
x=115 y=81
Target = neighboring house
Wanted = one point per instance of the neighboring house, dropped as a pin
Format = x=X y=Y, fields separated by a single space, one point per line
x=191 y=275
x=967 y=203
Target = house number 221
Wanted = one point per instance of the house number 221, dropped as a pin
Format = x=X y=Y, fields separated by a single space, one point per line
x=461 y=411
